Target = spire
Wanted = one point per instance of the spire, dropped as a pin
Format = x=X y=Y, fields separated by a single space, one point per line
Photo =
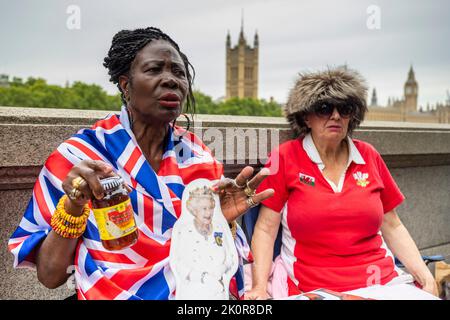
x=242 y=20
x=374 y=101
x=241 y=34
x=256 y=40
x=411 y=75
x=228 y=39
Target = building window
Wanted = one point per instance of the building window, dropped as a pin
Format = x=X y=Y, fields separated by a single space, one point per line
x=234 y=73
x=248 y=73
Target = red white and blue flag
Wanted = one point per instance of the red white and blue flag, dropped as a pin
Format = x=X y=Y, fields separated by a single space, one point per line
x=141 y=271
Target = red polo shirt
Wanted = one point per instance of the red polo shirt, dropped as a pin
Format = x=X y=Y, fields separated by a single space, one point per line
x=332 y=239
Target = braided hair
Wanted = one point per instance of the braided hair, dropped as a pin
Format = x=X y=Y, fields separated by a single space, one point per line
x=124 y=48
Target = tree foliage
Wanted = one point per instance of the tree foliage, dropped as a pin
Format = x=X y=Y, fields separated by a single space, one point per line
x=37 y=93
x=236 y=106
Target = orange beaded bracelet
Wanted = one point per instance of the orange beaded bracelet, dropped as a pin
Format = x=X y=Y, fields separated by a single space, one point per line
x=67 y=225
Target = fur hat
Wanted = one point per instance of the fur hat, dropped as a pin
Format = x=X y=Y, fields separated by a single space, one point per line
x=335 y=84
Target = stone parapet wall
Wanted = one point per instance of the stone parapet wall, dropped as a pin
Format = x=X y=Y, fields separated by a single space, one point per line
x=417 y=154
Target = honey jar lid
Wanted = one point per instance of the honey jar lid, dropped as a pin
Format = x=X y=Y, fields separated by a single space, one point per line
x=111 y=183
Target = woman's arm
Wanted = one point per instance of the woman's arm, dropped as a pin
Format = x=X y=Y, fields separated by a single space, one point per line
x=54 y=257
x=263 y=240
x=404 y=248
x=56 y=253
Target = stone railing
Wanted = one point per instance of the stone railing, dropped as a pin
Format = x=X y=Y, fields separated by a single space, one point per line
x=418 y=156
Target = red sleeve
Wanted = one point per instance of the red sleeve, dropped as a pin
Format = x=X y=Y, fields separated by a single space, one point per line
x=391 y=196
x=276 y=180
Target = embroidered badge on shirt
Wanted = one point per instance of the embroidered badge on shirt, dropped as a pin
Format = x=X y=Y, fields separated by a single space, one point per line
x=311 y=181
x=361 y=179
x=218 y=238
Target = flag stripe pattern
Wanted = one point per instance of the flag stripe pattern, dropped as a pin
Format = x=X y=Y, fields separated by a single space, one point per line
x=141 y=271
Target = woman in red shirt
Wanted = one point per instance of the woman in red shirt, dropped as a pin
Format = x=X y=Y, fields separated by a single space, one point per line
x=334 y=198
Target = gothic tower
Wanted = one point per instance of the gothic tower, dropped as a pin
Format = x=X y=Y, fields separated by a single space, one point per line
x=242 y=67
x=411 y=92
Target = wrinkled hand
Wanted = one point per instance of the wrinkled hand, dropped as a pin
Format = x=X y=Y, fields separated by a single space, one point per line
x=256 y=294
x=91 y=171
x=233 y=199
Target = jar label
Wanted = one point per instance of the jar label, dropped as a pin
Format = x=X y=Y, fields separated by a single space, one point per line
x=116 y=221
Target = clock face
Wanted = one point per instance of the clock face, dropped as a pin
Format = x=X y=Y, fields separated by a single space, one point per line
x=409 y=90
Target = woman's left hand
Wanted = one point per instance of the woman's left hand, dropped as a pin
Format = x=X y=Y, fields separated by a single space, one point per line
x=238 y=195
x=429 y=284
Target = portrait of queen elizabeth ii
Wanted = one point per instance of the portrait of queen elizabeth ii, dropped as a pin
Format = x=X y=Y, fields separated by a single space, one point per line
x=202 y=254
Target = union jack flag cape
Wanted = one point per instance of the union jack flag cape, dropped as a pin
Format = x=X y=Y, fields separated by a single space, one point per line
x=141 y=271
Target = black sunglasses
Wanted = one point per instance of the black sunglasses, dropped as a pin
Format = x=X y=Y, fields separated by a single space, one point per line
x=326 y=109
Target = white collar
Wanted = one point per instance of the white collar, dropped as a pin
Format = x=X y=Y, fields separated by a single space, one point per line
x=313 y=154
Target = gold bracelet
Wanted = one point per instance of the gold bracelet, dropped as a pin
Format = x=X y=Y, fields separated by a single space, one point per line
x=67 y=225
x=233 y=228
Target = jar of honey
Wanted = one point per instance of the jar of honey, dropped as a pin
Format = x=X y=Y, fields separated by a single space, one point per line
x=114 y=215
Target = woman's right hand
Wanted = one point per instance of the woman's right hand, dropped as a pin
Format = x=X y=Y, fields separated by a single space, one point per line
x=91 y=171
x=256 y=294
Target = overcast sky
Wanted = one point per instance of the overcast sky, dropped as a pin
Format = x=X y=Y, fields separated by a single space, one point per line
x=294 y=36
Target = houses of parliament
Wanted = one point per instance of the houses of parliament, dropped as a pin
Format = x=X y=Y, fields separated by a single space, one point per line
x=242 y=67
x=406 y=109
x=242 y=82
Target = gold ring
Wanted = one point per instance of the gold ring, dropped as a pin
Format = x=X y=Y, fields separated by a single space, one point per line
x=77 y=182
x=251 y=203
x=238 y=186
x=249 y=192
x=74 y=194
